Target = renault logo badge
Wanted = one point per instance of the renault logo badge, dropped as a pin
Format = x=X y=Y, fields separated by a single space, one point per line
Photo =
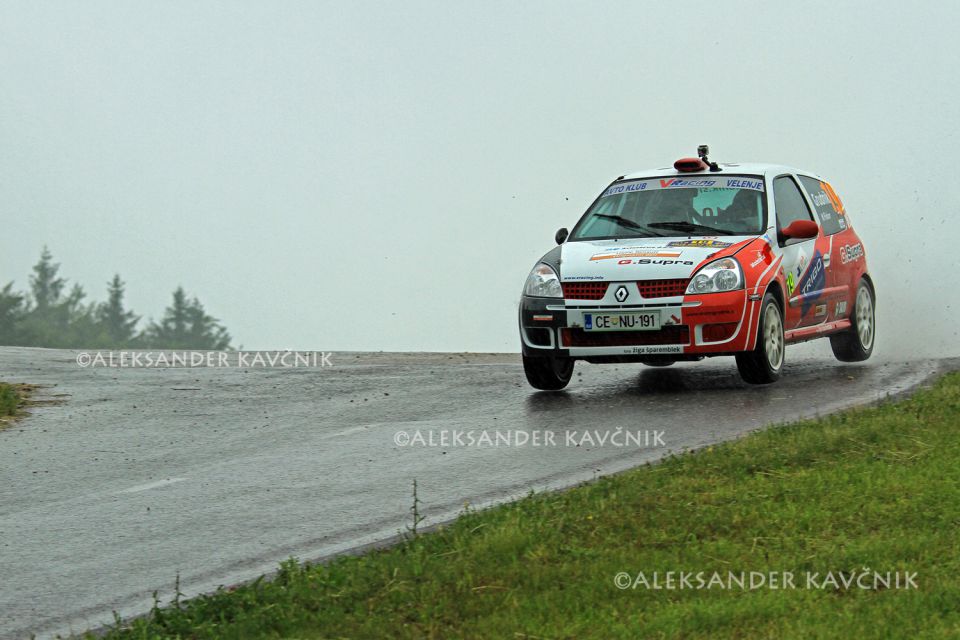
x=621 y=293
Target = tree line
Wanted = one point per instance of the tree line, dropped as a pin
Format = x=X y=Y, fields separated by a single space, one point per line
x=49 y=315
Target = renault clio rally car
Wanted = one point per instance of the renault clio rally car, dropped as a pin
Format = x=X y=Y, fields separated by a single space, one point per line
x=699 y=260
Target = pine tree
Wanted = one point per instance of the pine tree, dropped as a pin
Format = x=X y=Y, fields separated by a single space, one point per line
x=186 y=325
x=206 y=330
x=75 y=323
x=12 y=310
x=49 y=317
x=44 y=283
x=171 y=331
x=117 y=325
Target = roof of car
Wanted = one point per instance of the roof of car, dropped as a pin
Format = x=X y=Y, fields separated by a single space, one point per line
x=744 y=168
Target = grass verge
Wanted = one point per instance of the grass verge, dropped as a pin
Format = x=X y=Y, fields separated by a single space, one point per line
x=875 y=488
x=13 y=398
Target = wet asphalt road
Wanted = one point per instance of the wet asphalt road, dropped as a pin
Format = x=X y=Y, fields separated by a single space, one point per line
x=218 y=474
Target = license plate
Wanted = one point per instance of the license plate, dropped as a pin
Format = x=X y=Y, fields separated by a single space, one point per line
x=626 y=321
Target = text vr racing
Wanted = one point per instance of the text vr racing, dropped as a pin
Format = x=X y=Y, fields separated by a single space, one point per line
x=703 y=260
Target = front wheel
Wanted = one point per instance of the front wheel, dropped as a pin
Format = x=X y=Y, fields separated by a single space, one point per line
x=548 y=374
x=764 y=363
x=856 y=344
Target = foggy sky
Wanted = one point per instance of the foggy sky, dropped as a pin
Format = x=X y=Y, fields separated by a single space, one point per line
x=373 y=176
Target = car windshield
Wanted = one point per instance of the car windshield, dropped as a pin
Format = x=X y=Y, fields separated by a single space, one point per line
x=699 y=206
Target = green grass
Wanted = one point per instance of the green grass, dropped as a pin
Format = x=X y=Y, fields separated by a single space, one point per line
x=9 y=400
x=876 y=488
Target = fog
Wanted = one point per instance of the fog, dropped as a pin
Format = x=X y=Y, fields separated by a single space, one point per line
x=367 y=176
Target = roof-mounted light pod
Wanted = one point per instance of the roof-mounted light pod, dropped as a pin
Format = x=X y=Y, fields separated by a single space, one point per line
x=689 y=165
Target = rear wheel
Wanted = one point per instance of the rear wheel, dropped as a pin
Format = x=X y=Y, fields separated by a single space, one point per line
x=856 y=344
x=548 y=374
x=764 y=363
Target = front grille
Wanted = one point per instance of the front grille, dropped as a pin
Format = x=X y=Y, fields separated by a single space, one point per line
x=648 y=289
x=673 y=334
x=584 y=290
x=663 y=288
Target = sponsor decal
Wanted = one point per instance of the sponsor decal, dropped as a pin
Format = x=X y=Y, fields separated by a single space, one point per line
x=820 y=310
x=833 y=197
x=821 y=198
x=763 y=255
x=826 y=259
x=791 y=284
x=688 y=263
x=655 y=349
x=671 y=183
x=742 y=183
x=851 y=252
x=582 y=278
x=841 y=309
x=812 y=283
x=710 y=312
x=634 y=186
x=637 y=252
x=701 y=242
x=624 y=187
x=814 y=278
x=633 y=247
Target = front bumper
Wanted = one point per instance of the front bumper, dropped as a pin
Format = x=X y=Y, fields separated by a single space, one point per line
x=692 y=326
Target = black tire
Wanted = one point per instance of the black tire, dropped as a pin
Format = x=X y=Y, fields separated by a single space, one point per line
x=764 y=364
x=548 y=374
x=856 y=344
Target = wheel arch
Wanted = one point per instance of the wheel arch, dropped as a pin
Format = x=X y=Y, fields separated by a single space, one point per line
x=873 y=289
x=774 y=287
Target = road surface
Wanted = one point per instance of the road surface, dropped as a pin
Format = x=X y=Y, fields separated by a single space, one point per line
x=218 y=474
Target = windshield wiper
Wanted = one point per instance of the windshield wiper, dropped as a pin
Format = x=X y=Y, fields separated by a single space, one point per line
x=625 y=222
x=684 y=225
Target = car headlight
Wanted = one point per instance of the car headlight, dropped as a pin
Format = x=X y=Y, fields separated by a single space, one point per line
x=543 y=282
x=718 y=276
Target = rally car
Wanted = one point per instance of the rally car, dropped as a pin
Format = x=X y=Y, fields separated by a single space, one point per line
x=701 y=259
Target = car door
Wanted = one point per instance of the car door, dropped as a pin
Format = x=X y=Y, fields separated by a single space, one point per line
x=838 y=241
x=804 y=265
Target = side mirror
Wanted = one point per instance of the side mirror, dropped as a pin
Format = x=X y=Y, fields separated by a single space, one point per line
x=562 y=234
x=801 y=229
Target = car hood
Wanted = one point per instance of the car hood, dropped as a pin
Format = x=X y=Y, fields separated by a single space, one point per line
x=643 y=258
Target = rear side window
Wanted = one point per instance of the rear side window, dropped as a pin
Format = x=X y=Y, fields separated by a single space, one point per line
x=789 y=202
x=827 y=204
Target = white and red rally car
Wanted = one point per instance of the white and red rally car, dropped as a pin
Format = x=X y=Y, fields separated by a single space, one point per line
x=703 y=259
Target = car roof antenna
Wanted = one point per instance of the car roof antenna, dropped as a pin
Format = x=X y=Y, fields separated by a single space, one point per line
x=702 y=151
